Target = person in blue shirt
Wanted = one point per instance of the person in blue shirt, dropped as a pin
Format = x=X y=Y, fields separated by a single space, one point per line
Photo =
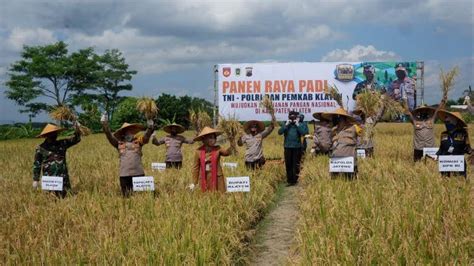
x=293 y=131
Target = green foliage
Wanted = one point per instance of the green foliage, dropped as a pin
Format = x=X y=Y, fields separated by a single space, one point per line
x=127 y=112
x=176 y=108
x=111 y=79
x=19 y=131
x=49 y=71
x=90 y=117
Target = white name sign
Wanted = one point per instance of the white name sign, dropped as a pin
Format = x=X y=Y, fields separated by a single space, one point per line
x=341 y=165
x=451 y=163
x=238 y=184
x=158 y=166
x=230 y=165
x=52 y=183
x=430 y=152
x=143 y=183
x=361 y=153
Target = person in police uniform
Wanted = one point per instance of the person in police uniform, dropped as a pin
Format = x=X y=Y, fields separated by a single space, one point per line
x=173 y=142
x=370 y=83
x=322 y=141
x=455 y=139
x=403 y=87
x=344 y=136
x=423 y=119
x=129 y=147
x=255 y=132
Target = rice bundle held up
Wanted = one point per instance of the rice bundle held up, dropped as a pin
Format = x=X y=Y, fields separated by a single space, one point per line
x=147 y=107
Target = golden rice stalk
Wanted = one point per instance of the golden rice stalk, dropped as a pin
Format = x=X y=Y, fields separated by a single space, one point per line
x=369 y=102
x=85 y=131
x=231 y=128
x=199 y=119
x=139 y=136
x=147 y=107
x=447 y=80
x=62 y=113
x=334 y=93
x=392 y=108
x=267 y=103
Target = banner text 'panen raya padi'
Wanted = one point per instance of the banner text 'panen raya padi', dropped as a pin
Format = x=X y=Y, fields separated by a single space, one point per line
x=291 y=86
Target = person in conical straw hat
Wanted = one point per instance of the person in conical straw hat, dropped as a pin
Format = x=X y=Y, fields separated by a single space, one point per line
x=50 y=156
x=293 y=131
x=207 y=171
x=255 y=132
x=423 y=119
x=130 y=150
x=344 y=136
x=173 y=142
x=322 y=141
x=455 y=140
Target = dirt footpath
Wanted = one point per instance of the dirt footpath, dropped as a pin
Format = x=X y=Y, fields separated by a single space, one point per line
x=277 y=237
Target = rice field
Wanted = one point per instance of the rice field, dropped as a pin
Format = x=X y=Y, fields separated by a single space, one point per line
x=96 y=225
x=396 y=212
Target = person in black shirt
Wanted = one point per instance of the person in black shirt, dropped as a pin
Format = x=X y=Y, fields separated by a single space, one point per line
x=455 y=140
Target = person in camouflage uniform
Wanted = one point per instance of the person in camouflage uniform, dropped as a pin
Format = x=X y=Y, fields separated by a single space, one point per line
x=370 y=83
x=50 y=156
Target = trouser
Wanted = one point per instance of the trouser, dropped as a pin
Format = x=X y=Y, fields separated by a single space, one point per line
x=256 y=164
x=176 y=165
x=292 y=164
x=449 y=174
x=126 y=185
x=369 y=152
x=417 y=155
x=66 y=188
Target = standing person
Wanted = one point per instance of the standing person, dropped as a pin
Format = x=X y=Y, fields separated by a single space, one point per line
x=130 y=150
x=470 y=108
x=207 y=170
x=292 y=131
x=403 y=87
x=255 y=132
x=422 y=119
x=370 y=83
x=322 y=135
x=304 y=144
x=455 y=140
x=173 y=142
x=344 y=136
x=368 y=125
x=50 y=156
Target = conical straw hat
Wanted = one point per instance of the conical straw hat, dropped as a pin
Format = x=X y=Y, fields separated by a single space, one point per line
x=424 y=109
x=338 y=111
x=207 y=131
x=260 y=126
x=167 y=128
x=49 y=128
x=442 y=114
x=119 y=132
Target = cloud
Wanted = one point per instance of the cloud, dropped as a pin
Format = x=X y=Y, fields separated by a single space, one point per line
x=158 y=54
x=27 y=36
x=360 y=53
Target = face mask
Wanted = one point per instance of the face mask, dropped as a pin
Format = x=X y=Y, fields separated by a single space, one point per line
x=128 y=138
x=450 y=126
x=335 y=120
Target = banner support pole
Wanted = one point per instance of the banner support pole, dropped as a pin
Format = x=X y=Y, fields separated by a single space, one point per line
x=214 y=109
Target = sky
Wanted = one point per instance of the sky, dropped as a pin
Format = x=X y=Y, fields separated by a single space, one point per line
x=175 y=44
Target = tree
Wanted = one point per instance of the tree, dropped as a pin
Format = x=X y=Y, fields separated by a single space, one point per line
x=49 y=71
x=127 y=112
x=168 y=107
x=111 y=79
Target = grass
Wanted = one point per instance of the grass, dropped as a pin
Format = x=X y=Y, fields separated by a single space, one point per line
x=97 y=226
x=396 y=212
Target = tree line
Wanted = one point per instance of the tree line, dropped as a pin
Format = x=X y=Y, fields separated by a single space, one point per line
x=50 y=75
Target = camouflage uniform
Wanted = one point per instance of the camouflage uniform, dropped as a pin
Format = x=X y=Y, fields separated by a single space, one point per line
x=50 y=157
x=366 y=85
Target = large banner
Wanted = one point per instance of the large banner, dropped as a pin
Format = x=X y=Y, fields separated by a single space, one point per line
x=302 y=86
